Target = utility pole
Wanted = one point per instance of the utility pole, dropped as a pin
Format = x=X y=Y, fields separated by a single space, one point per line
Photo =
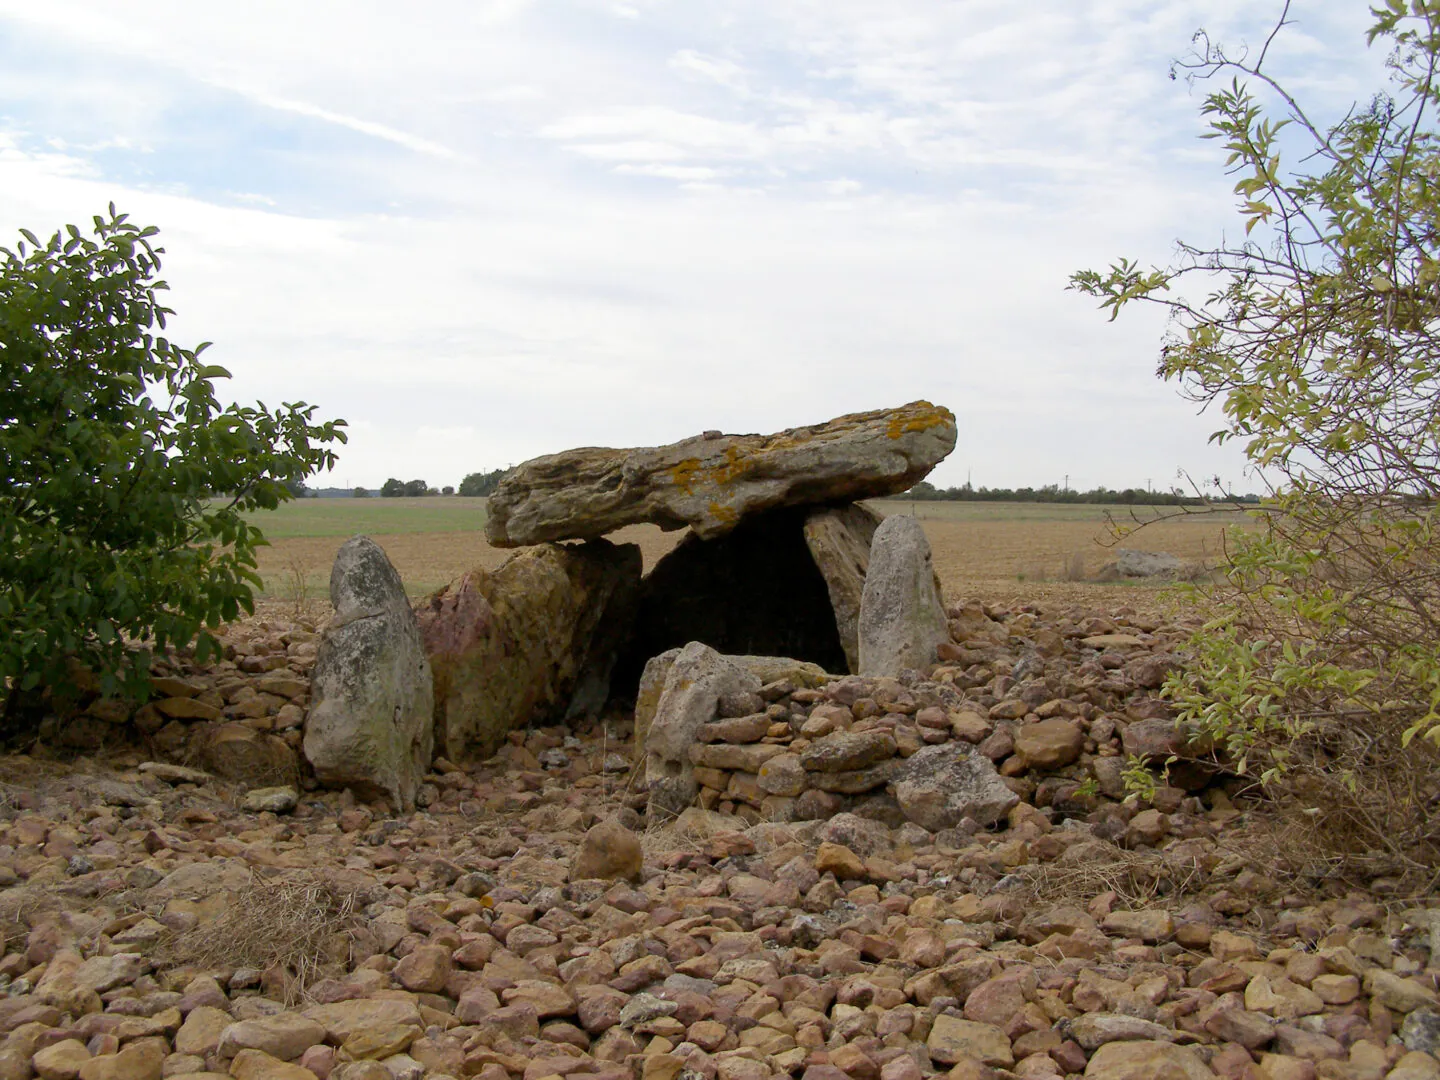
x=1067 y=484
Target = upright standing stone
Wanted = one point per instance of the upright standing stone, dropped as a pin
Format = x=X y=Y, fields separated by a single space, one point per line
x=902 y=615
x=839 y=539
x=371 y=699
x=532 y=642
x=701 y=685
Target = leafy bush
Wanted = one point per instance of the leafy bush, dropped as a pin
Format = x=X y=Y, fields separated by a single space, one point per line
x=123 y=481
x=1319 y=337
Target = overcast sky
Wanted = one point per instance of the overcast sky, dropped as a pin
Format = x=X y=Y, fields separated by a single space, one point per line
x=484 y=230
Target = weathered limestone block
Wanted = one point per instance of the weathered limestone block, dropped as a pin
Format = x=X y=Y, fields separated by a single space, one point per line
x=370 y=724
x=839 y=539
x=902 y=614
x=531 y=643
x=700 y=686
x=765 y=668
x=712 y=482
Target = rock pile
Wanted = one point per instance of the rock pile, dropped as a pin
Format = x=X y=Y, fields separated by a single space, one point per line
x=1043 y=710
x=843 y=949
x=239 y=717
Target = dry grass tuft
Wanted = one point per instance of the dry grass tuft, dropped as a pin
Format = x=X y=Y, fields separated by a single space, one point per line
x=1137 y=878
x=19 y=905
x=290 y=923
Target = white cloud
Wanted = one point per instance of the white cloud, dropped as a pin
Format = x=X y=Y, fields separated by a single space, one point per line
x=484 y=231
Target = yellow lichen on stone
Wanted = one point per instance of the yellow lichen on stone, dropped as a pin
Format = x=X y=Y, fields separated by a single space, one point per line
x=735 y=467
x=683 y=473
x=724 y=514
x=928 y=416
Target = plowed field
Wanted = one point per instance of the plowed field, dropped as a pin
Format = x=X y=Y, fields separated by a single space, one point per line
x=994 y=551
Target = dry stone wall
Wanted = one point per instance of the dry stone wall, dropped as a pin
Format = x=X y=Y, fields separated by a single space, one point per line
x=1020 y=708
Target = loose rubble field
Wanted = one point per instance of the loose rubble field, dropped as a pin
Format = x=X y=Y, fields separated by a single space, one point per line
x=165 y=913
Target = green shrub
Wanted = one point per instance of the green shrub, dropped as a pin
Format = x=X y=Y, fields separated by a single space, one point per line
x=123 y=481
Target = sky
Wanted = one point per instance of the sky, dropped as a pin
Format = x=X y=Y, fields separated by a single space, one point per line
x=486 y=230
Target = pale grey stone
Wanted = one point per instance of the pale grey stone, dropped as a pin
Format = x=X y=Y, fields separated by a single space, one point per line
x=902 y=614
x=371 y=723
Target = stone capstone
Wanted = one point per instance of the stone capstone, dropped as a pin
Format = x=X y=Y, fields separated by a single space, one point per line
x=902 y=615
x=712 y=482
x=530 y=643
x=370 y=724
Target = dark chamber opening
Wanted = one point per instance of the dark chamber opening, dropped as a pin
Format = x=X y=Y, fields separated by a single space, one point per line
x=755 y=591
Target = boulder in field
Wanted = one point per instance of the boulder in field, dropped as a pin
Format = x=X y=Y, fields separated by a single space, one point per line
x=902 y=614
x=370 y=724
x=712 y=482
x=532 y=642
x=839 y=539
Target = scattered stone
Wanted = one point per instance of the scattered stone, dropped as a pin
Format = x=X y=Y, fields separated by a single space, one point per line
x=274 y=800
x=609 y=850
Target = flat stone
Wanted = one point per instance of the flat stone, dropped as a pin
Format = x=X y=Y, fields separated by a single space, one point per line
x=274 y=800
x=741 y=758
x=1049 y=744
x=952 y=1040
x=61 y=1060
x=285 y=1036
x=343 y=1019
x=1146 y=1061
x=1094 y=1030
x=201 y=1031
x=1394 y=992
x=257 y=1065
x=139 y=1061
x=712 y=482
x=845 y=751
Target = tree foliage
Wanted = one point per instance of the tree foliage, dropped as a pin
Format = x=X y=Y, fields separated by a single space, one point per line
x=476 y=483
x=123 y=480
x=1318 y=335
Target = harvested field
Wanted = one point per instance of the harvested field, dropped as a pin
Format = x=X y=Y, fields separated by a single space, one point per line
x=1001 y=552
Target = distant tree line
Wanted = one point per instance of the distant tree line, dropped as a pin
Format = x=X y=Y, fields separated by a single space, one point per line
x=1054 y=493
x=483 y=483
